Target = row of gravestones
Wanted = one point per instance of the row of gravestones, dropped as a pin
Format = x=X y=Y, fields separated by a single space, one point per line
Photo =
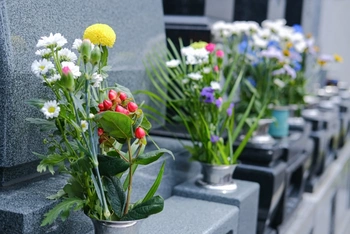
x=139 y=27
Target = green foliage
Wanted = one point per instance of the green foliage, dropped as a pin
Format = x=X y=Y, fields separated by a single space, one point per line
x=150 y=157
x=111 y=166
x=62 y=210
x=145 y=209
x=50 y=161
x=44 y=125
x=155 y=185
x=115 y=195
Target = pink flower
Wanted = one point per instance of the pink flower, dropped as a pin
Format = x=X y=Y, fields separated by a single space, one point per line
x=216 y=68
x=65 y=70
x=210 y=47
x=220 y=53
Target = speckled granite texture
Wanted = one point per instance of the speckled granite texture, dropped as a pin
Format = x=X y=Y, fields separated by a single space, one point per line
x=139 y=27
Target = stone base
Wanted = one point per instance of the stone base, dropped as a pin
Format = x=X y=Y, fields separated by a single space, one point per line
x=184 y=215
x=245 y=197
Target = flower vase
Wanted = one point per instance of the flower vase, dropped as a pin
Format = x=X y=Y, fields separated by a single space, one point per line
x=280 y=127
x=295 y=120
x=116 y=227
x=217 y=177
x=261 y=134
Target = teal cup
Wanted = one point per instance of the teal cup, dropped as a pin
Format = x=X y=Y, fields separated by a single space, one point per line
x=280 y=127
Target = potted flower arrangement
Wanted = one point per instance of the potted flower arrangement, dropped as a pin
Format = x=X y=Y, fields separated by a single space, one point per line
x=97 y=133
x=275 y=58
x=191 y=84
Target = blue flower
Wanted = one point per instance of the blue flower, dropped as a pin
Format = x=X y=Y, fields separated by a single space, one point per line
x=230 y=109
x=243 y=46
x=296 y=65
x=214 y=138
x=208 y=94
x=298 y=28
x=251 y=81
x=274 y=44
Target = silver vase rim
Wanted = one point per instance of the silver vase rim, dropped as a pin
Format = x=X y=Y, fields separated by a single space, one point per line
x=219 y=166
x=121 y=224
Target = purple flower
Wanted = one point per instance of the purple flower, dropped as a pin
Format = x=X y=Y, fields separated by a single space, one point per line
x=208 y=94
x=214 y=138
x=272 y=52
x=218 y=102
x=290 y=71
x=230 y=109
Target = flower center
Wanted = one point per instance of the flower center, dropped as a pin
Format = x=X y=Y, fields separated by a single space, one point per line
x=42 y=67
x=51 y=109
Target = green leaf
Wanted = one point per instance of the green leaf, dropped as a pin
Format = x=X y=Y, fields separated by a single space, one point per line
x=58 y=195
x=155 y=185
x=62 y=209
x=82 y=164
x=50 y=161
x=115 y=124
x=145 y=124
x=115 y=194
x=151 y=156
x=39 y=103
x=74 y=189
x=110 y=166
x=44 y=125
x=145 y=209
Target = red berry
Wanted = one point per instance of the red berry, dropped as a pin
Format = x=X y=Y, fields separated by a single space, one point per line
x=122 y=110
x=100 y=131
x=132 y=106
x=101 y=107
x=107 y=104
x=112 y=95
x=123 y=96
x=140 y=133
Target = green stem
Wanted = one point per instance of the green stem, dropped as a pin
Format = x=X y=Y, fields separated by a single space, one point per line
x=130 y=180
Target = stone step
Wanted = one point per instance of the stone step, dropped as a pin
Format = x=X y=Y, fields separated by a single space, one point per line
x=191 y=216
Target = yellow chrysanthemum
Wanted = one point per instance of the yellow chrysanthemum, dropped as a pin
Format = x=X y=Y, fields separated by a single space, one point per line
x=286 y=53
x=198 y=44
x=100 y=34
x=321 y=62
x=338 y=58
x=289 y=45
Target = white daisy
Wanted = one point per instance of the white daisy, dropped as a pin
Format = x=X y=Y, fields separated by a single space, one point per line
x=54 y=40
x=51 y=109
x=96 y=79
x=77 y=44
x=185 y=81
x=41 y=67
x=84 y=125
x=206 y=70
x=43 y=52
x=195 y=76
x=172 y=63
x=73 y=68
x=67 y=55
x=53 y=78
x=215 y=85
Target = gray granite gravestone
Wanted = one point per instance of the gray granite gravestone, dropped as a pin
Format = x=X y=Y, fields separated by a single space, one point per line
x=139 y=28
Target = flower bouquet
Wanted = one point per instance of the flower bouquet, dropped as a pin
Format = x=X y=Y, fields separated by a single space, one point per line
x=190 y=84
x=96 y=133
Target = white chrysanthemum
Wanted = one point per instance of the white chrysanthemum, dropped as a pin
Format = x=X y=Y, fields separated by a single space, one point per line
x=54 y=40
x=195 y=76
x=259 y=42
x=41 y=67
x=187 y=51
x=215 y=85
x=67 y=55
x=301 y=46
x=206 y=70
x=53 y=78
x=84 y=125
x=279 y=83
x=50 y=109
x=173 y=63
x=185 y=81
x=274 y=25
x=77 y=44
x=96 y=79
x=73 y=68
x=43 y=52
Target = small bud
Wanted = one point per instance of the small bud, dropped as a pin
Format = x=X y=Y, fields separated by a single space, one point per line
x=101 y=107
x=95 y=55
x=219 y=53
x=86 y=50
x=67 y=79
x=100 y=131
x=132 y=106
x=123 y=96
x=140 y=133
x=112 y=95
x=91 y=116
x=107 y=104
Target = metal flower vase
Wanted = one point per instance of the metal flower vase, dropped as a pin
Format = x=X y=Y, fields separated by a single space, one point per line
x=280 y=128
x=116 y=227
x=217 y=177
x=261 y=134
